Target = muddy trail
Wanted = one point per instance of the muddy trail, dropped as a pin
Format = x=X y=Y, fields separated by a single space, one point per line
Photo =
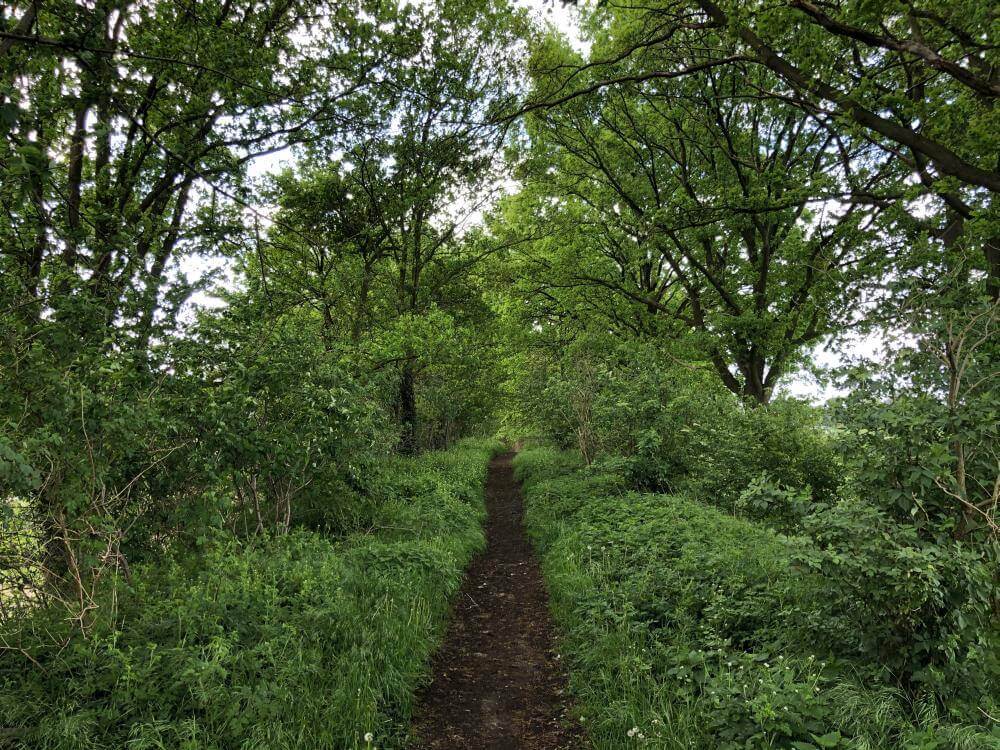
x=497 y=682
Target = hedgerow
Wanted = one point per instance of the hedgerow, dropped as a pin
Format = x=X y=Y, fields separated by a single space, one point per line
x=686 y=627
x=279 y=641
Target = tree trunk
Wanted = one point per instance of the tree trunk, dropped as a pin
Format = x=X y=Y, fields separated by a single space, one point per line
x=753 y=379
x=407 y=411
x=992 y=251
x=755 y=392
x=361 y=313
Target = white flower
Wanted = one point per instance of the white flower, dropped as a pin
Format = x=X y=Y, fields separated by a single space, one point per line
x=369 y=737
x=633 y=732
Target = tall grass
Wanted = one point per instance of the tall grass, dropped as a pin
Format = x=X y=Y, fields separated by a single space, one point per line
x=685 y=627
x=292 y=641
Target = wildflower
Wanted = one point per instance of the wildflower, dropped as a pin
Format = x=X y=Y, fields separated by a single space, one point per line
x=369 y=737
x=633 y=732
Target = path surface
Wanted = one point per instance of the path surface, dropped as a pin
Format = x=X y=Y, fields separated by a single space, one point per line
x=497 y=684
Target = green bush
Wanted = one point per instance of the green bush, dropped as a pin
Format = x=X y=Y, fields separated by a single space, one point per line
x=670 y=428
x=720 y=449
x=920 y=608
x=688 y=628
x=293 y=641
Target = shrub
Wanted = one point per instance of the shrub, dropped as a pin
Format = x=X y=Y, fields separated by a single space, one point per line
x=722 y=453
x=290 y=641
x=685 y=627
x=670 y=428
x=922 y=609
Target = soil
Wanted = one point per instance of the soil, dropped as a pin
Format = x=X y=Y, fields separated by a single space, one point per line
x=498 y=683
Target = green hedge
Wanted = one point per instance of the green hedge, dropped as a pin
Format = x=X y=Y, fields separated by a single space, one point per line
x=688 y=628
x=294 y=641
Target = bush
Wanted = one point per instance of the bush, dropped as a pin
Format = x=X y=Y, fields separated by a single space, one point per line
x=921 y=609
x=292 y=641
x=670 y=428
x=720 y=453
x=688 y=628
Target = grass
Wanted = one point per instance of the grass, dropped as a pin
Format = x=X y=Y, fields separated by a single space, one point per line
x=685 y=627
x=294 y=641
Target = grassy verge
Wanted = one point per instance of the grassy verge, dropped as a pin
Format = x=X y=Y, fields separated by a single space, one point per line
x=295 y=641
x=688 y=628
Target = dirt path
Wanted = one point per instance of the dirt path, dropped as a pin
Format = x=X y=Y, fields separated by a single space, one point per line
x=497 y=684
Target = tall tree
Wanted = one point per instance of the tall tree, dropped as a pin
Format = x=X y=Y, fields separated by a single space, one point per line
x=740 y=219
x=125 y=128
x=917 y=78
x=373 y=228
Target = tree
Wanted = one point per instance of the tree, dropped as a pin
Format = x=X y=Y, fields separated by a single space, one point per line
x=917 y=78
x=402 y=195
x=739 y=219
x=126 y=131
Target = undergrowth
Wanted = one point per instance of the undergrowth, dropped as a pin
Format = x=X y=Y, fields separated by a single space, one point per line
x=686 y=627
x=292 y=641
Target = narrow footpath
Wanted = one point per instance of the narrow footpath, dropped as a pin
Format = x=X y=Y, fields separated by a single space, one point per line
x=497 y=682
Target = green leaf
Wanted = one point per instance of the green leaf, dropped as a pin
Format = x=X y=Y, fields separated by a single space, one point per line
x=831 y=739
x=9 y=114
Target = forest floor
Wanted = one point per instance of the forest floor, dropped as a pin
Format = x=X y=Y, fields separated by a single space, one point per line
x=498 y=684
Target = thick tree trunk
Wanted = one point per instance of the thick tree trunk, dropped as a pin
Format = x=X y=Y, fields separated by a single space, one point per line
x=754 y=389
x=756 y=393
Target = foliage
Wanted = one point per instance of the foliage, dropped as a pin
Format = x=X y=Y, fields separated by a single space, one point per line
x=281 y=421
x=373 y=231
x=132 y=422
x=920 y=608
x=685 y=627
x=668 y=426
x=921 y=430
x=284 y=641
x=208 y=537
x=687 y=207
